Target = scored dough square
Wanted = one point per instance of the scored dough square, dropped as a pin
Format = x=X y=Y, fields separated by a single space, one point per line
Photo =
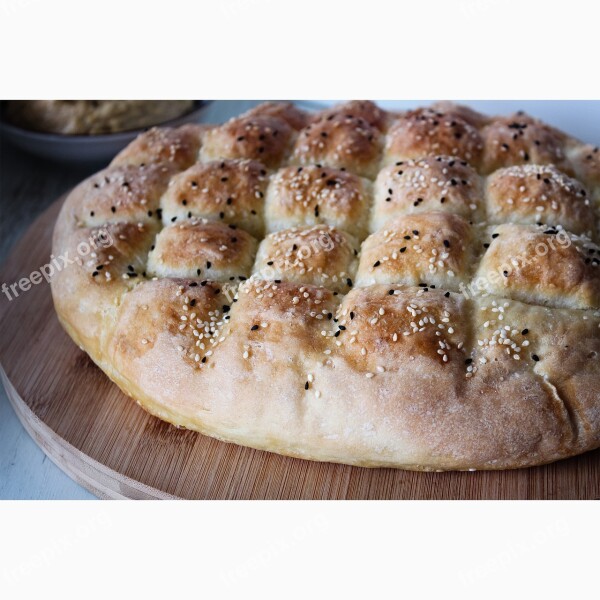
x=120 y=194
x=341 y=141
x=196 y=315
x=384 y=328
x=586 y=164
x=537 y=194
x=519 y=140
x=295 y=117
x=428 y=132
x=317 y=255
x=365 y=110
x=540 y=265
x=176 y=148
x=202 y=249
x=313 y=194
x=258 y=137
x=431 y=249
x=231 y=191
x=433 y=183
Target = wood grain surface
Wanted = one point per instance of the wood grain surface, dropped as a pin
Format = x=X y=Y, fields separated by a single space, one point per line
x=112 y=447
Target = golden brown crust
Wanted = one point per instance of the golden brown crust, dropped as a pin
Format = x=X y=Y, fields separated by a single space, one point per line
x=358 y=109
x=520 y=140
x=390 y=323
x=429 y=249
x=295 y=117
x=317 y=255
x=586 y=164
x=389 y=374
x=535 y=194
x=474 y=118
x=259 y=137
x=340 y=141
x=428 y=132
x=177 y=148
x=191 y=313
x=119 y=193
x=312 y=195
x=230 y=191
x=104 y=263
x=203 y=249
x=542 y=265
x=432 y=183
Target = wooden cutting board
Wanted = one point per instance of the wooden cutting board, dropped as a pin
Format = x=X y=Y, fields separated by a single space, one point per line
x=112 y=447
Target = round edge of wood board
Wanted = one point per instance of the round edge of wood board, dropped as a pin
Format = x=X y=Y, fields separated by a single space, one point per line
x=95 y=477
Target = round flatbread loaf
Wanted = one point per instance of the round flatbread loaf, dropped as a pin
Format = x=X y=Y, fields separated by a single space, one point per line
x=417 y=290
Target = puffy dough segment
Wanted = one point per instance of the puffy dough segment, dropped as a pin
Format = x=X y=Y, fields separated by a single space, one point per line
x=317 y=255
x=204 y=249
x=520 y=139
x=430 y=249
x=117 y=194
x=561 y=347
x=433 y=183
x=366 y=110
x=536 y=194
x=466 y=113
x=586 y=163
x=429 y=132
x=105 y=262
x=541 y=266
x=341 y=141
x=313 y=195
x=384 y=327
x=176 y=148
x=230 y=191
x=187 y=317
x=258 y=137
x=295 y=117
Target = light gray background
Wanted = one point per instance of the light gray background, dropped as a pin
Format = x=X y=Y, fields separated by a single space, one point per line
x=29 y=185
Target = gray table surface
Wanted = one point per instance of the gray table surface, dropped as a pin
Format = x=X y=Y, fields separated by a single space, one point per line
x=29 y=185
